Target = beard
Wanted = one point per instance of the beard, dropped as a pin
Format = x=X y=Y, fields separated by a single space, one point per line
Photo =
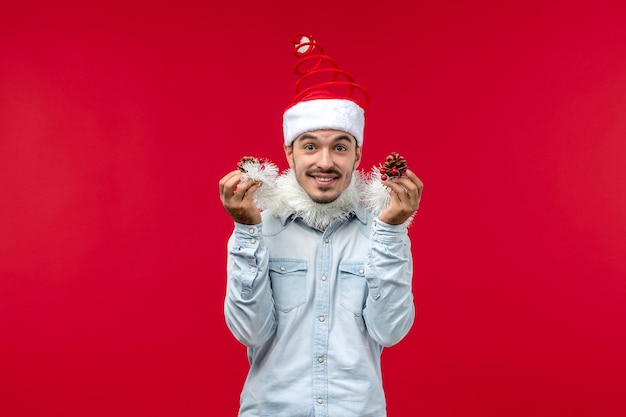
x=325 y=196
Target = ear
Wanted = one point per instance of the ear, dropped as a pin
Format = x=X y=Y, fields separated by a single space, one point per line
x=359 y=155
x=289 y=155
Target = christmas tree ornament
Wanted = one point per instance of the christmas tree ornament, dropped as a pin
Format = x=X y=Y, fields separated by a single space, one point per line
x=375 y=194
x=394 y=166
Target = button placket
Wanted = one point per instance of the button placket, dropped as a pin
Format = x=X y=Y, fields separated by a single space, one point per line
x=322 y=328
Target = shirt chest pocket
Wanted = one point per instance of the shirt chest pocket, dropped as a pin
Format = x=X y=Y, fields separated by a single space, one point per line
x=288 y=277
x=353 y=286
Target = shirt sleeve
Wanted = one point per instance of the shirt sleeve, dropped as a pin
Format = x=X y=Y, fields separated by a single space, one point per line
x=389 y=311
x=248 y=306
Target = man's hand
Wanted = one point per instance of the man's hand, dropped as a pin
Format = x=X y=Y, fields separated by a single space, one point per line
x=405 y=193
x=238 y=198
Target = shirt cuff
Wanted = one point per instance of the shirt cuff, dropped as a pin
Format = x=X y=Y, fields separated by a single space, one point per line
x=388 y=232
x=248 y=234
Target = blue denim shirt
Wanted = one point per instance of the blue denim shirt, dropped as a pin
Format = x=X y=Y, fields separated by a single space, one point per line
x=315 y=309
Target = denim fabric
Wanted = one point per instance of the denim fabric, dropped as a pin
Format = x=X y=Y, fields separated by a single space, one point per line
x=315 y=309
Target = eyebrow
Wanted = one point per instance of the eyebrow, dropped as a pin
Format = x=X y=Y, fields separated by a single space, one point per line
x=335 y=139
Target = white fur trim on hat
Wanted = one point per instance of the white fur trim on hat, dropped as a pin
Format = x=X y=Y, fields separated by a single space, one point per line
x=336 y=114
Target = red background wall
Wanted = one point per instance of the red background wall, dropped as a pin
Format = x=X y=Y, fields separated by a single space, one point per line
x=117 y=121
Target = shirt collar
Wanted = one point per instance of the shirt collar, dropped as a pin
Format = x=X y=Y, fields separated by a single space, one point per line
x=359 y=211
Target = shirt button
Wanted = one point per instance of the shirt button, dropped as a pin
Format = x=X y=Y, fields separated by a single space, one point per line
x=322 y=318
x=324 y=278
x=282 y=268
x=320 y=401
x=253 y=240
x=251 y=231
x=373 y=233
x=326 y=240
x=320 y=359
x=253 y=269
x=361 y=271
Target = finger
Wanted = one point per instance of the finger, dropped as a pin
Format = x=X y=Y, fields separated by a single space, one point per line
x=249 y=194
x=227 y=189
x=229 y=180
x=415 y=179
x=402 y=184
x=398 y=192
x=406 y=191
x=413 y=186
x=242 y=188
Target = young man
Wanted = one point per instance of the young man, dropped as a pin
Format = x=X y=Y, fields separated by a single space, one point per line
x=318 y=284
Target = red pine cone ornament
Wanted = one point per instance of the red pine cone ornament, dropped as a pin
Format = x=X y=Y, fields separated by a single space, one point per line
x=394 y=166
x=376 y=195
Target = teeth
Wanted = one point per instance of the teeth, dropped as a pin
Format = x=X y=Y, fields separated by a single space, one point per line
x=324 y=179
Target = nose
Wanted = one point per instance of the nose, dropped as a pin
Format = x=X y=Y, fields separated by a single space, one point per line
x=325 y=160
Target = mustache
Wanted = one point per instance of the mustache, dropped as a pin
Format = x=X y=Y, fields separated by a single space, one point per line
x=324 y=171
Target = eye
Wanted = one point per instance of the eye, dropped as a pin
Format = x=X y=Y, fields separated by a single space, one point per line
x=341 y=148
x=309 y=147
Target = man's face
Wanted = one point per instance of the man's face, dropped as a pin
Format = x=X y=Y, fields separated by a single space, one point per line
x=323 y=161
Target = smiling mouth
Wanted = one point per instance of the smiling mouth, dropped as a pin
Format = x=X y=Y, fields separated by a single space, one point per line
x=324 y=179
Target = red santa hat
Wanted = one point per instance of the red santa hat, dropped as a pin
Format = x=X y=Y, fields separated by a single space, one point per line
x=326 y=96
